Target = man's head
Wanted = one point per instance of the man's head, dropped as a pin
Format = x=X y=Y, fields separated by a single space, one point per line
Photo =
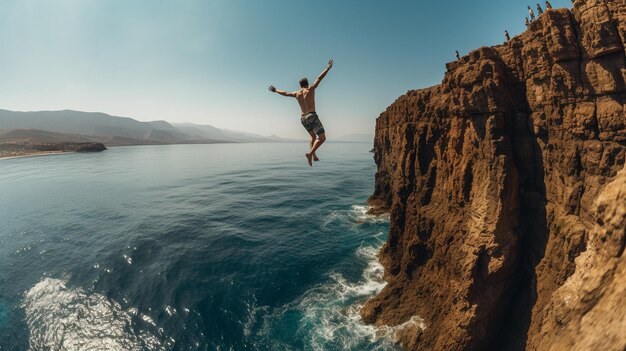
x=304 y=83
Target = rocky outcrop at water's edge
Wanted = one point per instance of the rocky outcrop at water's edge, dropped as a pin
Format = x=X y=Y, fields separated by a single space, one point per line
x=507 y=204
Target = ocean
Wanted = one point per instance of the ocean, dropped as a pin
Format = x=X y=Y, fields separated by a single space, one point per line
x=190 y=247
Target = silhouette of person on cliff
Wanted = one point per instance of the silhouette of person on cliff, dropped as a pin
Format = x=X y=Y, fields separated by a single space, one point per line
x=531 y=13
x=309 y=118
x=458 y=57
x=507 y=36
x=539 y=10
x=548 y=6
x=527 y=22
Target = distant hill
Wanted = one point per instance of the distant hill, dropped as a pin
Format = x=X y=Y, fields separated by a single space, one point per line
x=39 y=136
x=36 y=136
x=93 y=124
x=202 y=131
x=24 y=142
x=255 y=138
x=356 y=138
x=208 y=131
x=116 y=131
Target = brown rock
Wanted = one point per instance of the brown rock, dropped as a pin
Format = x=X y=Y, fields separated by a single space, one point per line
x=598 y=28
x=490 y=179
x=588 y=312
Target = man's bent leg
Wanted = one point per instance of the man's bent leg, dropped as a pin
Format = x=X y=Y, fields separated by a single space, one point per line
x=320 y=140
x=313 y=138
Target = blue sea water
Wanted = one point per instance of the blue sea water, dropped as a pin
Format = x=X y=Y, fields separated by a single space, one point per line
x=190 y=247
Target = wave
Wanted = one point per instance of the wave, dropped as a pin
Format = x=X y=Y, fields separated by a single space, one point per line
x=63 y=318
x=328 y=315
x=331 y=312
x=332 y=318
x=356 y=215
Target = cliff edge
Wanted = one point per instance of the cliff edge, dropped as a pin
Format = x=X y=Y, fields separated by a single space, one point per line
x=507 y=213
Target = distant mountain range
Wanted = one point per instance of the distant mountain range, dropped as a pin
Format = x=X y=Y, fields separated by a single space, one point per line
x=213 y=133
x=356 y=138
x=78 y=126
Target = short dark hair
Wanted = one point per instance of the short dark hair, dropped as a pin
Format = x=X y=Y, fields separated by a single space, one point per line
x=304 y=82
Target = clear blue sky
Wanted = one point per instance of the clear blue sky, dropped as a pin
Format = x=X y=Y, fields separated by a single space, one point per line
x=210 y=61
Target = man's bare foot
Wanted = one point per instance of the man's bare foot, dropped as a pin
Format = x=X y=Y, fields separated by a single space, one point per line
x=309 y=159
x=315 y=158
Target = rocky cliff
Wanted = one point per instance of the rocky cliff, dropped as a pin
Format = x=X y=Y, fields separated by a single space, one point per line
x=507 y=214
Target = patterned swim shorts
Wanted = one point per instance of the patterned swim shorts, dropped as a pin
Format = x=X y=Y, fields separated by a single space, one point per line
x=311 y=122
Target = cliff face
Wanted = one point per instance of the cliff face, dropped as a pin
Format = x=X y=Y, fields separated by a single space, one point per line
x=491 y=180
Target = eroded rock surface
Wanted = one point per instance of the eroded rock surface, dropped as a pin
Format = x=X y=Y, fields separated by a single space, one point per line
x=491 y=178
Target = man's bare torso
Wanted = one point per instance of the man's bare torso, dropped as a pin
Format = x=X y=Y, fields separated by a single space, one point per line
x=306 y=100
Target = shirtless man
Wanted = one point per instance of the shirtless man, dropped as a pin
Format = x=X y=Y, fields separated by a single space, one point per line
x=309 y=119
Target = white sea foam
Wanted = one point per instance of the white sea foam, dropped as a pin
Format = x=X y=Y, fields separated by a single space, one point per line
x=362 y=215
x=62 y=318
x=330 y=313
x=357 y=214
x=393 y=331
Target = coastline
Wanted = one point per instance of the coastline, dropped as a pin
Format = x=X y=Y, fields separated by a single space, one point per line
x=34 y=154
x=487 y=179
x=14 y=150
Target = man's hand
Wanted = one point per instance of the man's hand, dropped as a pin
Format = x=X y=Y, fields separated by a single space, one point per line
x=322 y=75
x=280 y=92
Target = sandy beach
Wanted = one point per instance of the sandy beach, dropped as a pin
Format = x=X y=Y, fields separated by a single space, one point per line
x=40 y=153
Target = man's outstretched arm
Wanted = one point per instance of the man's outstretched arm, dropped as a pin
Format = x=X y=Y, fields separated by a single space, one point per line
x=281 y=92
x=323 y=74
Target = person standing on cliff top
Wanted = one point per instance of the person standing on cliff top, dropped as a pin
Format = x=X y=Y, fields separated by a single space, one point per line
x=526 y=22
x=458 y=57
x=309 y=118
x=548 y=6
x=507 y=36
x=531 y=13
x=539 y=10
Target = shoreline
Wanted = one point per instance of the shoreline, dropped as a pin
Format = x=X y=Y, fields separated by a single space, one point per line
x=35 y=154
x=49 y=153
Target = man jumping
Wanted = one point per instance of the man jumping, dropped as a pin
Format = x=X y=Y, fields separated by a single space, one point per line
x=309 y=119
